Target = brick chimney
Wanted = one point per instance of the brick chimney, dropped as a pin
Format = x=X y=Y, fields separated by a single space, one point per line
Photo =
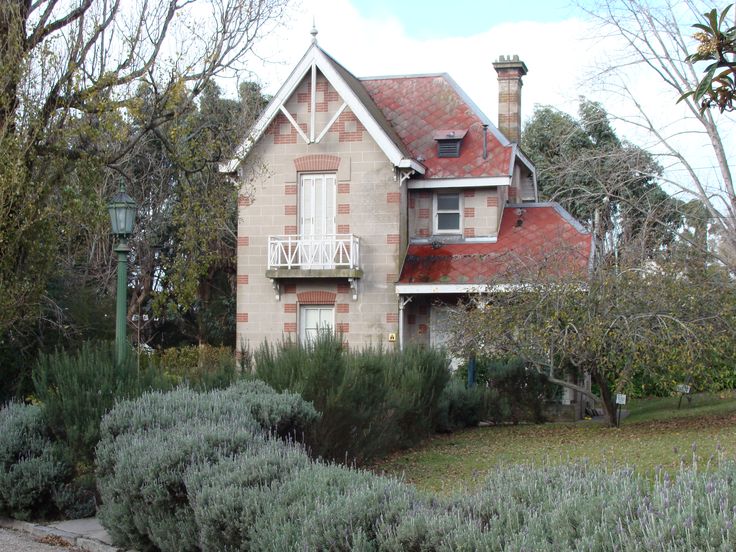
x=510 y=71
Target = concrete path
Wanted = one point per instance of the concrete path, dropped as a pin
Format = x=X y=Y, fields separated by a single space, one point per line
x=85 y=534
x=15 y=541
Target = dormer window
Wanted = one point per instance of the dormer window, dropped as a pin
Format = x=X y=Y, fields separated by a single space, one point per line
x=447 y=212
x=448 y=142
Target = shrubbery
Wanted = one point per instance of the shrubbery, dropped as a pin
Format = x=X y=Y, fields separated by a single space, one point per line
x=197 y=366
x=214 y=484
x=77 y=388
x=519 y=392
x=371 y=401
x=32 y=468
x=461 y=406
x=156 y=452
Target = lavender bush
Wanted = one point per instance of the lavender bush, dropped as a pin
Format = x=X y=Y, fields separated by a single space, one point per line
x=206 y=471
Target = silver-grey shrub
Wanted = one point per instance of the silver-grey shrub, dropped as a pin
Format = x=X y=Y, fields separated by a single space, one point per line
x=285 y=414
x=144 y=499
x=230 y=495
x=196 y=471
x=581 y=507
x=31 y=468
x=330 y=507
x=152 y=447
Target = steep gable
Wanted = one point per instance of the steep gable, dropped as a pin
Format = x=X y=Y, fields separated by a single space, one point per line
x=347 y=88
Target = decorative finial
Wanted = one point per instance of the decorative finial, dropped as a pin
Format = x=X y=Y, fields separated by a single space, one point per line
x=314 y=32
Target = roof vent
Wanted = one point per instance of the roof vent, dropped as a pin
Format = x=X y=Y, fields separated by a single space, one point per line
x=448 y=142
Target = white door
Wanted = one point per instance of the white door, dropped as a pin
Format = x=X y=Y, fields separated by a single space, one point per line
x=439 y=332
x=314 y=319
x=317 y=220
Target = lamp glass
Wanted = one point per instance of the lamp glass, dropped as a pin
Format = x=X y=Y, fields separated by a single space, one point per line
x=122 y=210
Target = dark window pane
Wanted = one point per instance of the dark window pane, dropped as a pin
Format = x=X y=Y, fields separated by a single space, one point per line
x=448 y=202
x=448 y=221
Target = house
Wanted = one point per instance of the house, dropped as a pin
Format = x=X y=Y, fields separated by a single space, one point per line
x=369 y=203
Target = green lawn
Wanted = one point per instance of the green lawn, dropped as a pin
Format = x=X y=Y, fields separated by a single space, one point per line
x=655 y=434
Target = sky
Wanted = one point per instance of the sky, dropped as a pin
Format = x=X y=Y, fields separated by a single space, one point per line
x=448 y=19
x=562 y=48
x=383 y=37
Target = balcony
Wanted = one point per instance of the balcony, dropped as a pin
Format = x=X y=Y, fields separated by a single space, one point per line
x=335 y=256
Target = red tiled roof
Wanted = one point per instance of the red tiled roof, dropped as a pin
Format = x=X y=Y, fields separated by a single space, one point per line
x=418 y=107
x=546 y=242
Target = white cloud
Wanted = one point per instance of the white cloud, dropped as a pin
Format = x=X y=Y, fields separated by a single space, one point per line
x=553 y=52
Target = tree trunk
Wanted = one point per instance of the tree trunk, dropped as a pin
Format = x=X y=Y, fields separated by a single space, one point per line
x=609 y=405
x=13 y=16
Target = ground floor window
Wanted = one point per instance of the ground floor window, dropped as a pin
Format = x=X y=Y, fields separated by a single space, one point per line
x=313 y=319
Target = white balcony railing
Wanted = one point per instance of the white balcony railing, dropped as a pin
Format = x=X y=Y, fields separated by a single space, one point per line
x=306 y=252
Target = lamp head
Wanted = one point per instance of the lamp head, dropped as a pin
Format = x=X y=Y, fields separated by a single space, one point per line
x=122 y=210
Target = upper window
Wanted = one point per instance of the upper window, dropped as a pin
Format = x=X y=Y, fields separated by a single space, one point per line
x=317 y=205
x=447 y=219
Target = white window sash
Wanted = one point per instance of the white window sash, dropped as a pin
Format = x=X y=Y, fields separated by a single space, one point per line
x=326 y=320
x=437 y=211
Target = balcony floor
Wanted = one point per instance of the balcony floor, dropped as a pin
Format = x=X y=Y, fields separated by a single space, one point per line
x=278 y=273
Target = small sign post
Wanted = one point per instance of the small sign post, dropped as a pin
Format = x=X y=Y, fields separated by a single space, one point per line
x=620 y=401
x=684 y=390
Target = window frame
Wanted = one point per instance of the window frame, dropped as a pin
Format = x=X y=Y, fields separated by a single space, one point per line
x=436 y=212
x=328 y=178
x=303 y=339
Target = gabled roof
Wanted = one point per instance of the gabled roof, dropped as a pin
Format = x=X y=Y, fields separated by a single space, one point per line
x=403 y=114
x=353 y=94
x=418 y=106
x=357 y=87
x=539 y=238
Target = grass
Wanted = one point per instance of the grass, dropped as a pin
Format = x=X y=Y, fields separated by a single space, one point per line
x=655 y=434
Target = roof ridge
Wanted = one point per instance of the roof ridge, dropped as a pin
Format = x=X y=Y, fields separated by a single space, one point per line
x=407 y=76
x=333 y=60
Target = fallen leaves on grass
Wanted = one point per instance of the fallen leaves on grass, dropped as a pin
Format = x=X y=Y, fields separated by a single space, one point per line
x=446 y=463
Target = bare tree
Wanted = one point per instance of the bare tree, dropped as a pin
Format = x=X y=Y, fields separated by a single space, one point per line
x=625 y=321
x=71 y=75
x=657 y=38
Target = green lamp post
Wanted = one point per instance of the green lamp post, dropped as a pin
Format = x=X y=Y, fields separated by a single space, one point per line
x=122 y=210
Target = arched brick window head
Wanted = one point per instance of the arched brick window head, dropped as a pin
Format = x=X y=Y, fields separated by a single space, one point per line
x=316 y=298
x=317 y=163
